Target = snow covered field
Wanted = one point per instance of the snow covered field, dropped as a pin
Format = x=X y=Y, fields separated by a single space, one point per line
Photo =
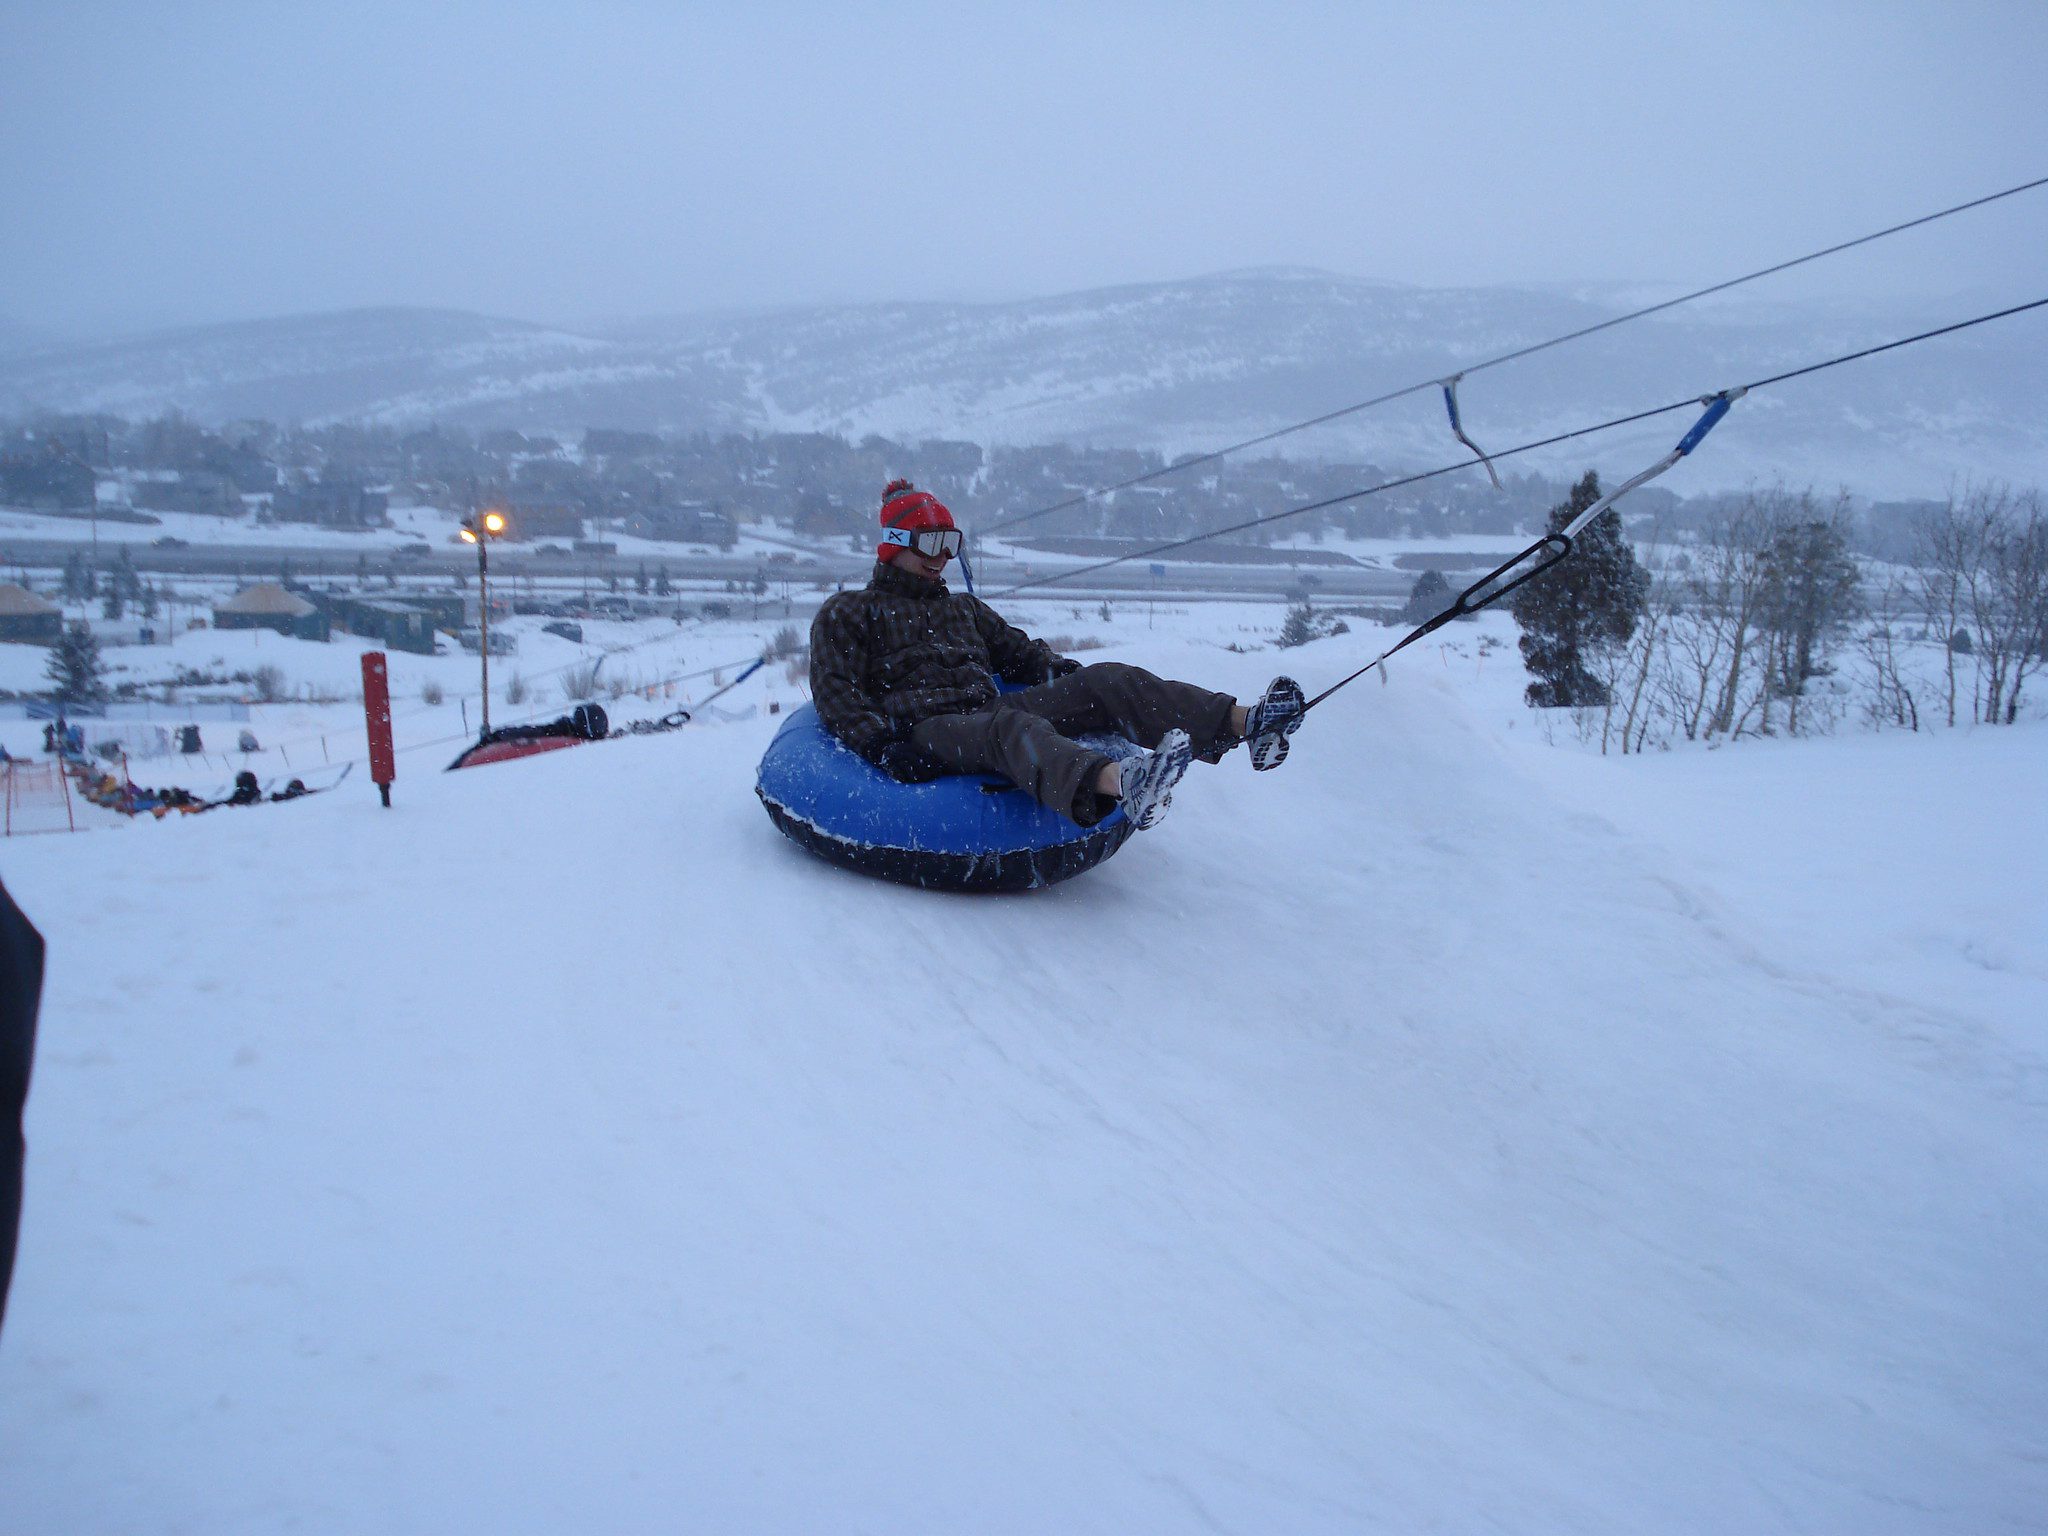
x=1453 y=1130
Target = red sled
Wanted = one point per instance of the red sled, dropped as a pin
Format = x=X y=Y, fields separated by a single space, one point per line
x=586 y=723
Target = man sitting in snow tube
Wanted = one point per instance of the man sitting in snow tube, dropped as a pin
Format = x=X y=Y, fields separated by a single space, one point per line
x=903 y=672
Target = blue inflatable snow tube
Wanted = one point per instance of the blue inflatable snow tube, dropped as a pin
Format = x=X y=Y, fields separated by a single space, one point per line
x=968 y=832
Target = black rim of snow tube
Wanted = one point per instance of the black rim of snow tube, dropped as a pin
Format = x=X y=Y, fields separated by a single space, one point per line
x=1011 y=869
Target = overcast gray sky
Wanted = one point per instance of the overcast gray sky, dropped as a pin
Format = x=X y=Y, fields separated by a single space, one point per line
x=171 y=163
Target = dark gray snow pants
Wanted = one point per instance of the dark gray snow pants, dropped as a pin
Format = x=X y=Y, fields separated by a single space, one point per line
x=1024 y=736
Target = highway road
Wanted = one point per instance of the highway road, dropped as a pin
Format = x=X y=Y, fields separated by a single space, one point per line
x=256 y=561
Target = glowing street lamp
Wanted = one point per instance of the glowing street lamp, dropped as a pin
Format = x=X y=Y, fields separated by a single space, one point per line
x=479 y=529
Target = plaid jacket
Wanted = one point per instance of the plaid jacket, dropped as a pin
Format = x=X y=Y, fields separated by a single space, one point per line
x=902 y=649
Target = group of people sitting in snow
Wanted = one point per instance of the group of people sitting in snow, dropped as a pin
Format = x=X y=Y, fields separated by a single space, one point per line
x=110 y=793
x=904 y=671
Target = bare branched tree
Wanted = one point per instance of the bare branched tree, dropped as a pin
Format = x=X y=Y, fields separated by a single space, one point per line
x=1888 y=698
x=1984 y=586
x=2011 y=607
x=1637 y=691
x=1951 y=568
x=1728 y=591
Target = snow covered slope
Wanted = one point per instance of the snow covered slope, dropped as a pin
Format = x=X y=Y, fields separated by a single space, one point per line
x=1443 y=1132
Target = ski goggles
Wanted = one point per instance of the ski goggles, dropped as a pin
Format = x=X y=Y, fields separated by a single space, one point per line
x=933 y=543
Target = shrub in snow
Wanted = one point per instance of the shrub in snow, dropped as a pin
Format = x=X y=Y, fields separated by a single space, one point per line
x=268 y=681
x=579 y=683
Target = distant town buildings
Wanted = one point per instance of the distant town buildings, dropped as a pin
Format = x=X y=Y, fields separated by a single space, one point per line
x=267 y=605
x=26 y=619
x=204 y=491
x=530 y=520
x=402 y=623
x=692 y=524
x=707 y=489
x=43 y=478
x=341 y=503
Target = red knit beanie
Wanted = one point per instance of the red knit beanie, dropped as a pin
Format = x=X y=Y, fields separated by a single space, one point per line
x=905 y=506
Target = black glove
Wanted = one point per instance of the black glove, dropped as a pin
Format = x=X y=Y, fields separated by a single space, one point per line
x=904 y=763
x=1061 y=666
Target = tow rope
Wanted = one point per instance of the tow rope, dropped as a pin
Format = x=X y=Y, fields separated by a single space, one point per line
x=1546 y=551
x=676 y=719
x=752 y=667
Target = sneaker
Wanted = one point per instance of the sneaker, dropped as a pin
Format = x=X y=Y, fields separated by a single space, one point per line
x=1149 y=780
x=1268 y=723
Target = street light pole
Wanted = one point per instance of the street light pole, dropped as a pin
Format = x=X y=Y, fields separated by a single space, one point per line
x=483 y=590
x=480 y=530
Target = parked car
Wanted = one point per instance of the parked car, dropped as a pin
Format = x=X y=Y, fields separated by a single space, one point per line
x=414 y=551
x=564 y=628
x=502 y=644
x=169 y=541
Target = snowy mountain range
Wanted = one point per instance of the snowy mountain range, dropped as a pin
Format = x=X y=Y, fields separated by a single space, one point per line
x=1179 y=366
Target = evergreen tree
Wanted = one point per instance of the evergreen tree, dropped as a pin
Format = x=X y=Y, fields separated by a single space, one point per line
x=662 y=585
x=113 y=605
x=149 y=600
x=1430 y=596
x=1300 y=627
x=1587 y=603
x=76 y=674
x=641 y=580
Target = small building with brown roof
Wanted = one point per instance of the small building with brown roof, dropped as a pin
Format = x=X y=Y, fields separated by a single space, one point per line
x=269 y=606
x=26 y=619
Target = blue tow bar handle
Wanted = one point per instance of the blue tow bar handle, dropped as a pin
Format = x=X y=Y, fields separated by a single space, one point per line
x=1716 y=409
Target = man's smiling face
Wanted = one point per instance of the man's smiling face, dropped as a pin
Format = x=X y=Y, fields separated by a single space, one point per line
x=930 y=567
